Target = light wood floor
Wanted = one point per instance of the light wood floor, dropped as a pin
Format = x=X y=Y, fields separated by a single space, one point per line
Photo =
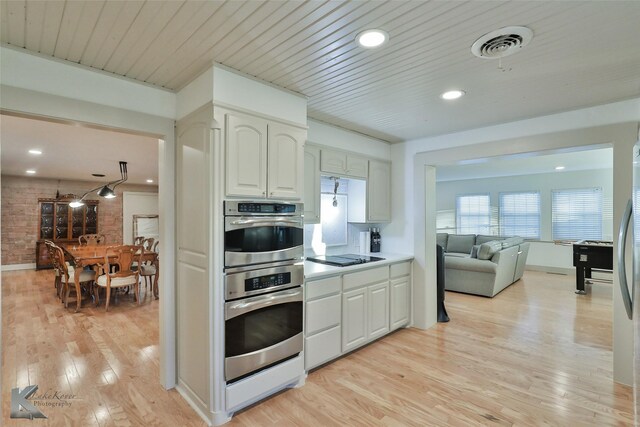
x=536 y=354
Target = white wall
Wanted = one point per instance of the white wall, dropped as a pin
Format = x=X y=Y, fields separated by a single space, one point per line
x=321 y=133
x=231 y=88
x=47 y=75
x=542 y=255
x=135 y=203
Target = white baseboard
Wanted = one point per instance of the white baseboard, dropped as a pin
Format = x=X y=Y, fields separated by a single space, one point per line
x=13 y=267
x=194 y=401
x=554 y=270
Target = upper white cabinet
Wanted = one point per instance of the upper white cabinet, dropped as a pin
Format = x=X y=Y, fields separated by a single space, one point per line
x=379 y=191
x=246 y=155
x=263 y=158
x=285 y=155
x=311 y=184
x=343 y=164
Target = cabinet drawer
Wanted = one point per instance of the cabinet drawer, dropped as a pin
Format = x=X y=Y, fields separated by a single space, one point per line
x=322 y=314
x=321 y=347
x=366 y=277
x=401 y=269
x=322 y=287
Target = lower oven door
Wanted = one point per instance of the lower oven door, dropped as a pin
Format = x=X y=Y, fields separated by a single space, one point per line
x=262 y=330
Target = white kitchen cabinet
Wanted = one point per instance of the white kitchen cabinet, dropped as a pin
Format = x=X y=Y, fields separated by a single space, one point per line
x=354 y=319
x=343 y=164
x=263 y=158
x=379 y=192
x=246 y=155
x=400 y=294
x=370 y=200
x=323 y=315
x=365 y=306
x=377 y=310
x=285 y=179
x=311 y=184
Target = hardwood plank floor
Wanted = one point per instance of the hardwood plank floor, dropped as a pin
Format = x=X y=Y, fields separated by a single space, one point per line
x=536 y=354
x=110 y=361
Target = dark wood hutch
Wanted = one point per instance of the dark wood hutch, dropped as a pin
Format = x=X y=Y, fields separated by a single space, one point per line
x=60 y=223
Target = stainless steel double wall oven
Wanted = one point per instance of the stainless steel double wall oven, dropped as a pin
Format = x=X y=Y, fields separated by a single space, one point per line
x=263 y=249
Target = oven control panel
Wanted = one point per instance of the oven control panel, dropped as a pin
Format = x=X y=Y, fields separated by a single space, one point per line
x=266 y=208
x=268 y=281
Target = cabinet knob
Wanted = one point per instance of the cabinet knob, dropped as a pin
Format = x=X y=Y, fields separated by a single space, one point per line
x=264 y=193
x=271 y=194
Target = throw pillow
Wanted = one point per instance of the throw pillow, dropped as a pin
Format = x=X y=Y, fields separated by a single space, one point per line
x=474 y=251
x=487 y=250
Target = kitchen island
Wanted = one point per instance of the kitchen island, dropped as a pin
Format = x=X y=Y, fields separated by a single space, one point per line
x=348 y=307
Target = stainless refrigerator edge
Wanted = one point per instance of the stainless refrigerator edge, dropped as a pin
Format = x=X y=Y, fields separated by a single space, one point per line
x=630 y=289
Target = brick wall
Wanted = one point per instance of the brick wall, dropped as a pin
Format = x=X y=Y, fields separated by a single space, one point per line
x=20 y=212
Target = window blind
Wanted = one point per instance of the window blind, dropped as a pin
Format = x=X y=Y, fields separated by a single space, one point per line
x=473 y=214
x=520 y=214
x=576 y=214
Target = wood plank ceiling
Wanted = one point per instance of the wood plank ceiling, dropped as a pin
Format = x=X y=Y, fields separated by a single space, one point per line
x=583 y=53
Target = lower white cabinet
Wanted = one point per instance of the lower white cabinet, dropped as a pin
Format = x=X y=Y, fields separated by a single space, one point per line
x=400 y=293
x=345 y=312
x=323 y=311
x=354 y=319
x=400 y=290
x=378 y=310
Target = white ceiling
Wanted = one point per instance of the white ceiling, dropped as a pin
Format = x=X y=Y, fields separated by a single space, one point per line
x=75 y=152
x=583 y=53
x=526 y=164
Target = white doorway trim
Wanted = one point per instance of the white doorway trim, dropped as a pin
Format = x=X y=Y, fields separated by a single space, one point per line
x=621 y=136
x=38 y=105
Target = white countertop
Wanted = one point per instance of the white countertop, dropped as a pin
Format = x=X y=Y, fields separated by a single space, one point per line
x=314 y=270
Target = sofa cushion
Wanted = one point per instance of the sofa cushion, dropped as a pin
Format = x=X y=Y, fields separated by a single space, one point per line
x=456 y=255
x=470 y=264
x=461 y=243
x=441 y=239
x=487 y=249
x=512 y=241
x=482 y=238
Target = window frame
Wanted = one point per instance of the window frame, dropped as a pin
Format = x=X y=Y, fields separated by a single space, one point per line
x=500 y=212
x=599 y=215
x=488 y=225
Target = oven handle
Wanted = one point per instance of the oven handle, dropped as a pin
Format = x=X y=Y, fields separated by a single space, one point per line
x=273 y=221
x=238 y=308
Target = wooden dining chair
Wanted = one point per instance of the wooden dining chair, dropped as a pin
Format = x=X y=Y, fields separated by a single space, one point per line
x=57 y=283
x=138 y=240
x=149 y=268
x=92 y=240
x=124 y=257
x=67 y=275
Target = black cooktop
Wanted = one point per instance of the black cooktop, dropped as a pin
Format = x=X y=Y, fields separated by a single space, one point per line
x=344 y=260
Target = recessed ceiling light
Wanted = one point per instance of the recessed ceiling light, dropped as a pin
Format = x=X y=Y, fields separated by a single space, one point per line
x=35 y=152
x=452 y=94
x=372 y=38
x=149 y=181
x=30 y=171
x=559 y=168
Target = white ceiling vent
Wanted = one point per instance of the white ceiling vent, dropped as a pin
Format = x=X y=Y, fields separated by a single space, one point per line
x=503 y=42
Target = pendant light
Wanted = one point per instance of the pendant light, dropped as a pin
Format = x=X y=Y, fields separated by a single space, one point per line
x=104 y=190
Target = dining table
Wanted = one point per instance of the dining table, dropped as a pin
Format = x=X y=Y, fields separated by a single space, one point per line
x=92 y=255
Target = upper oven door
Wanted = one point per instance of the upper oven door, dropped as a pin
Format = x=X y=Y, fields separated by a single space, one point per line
x=260 y=239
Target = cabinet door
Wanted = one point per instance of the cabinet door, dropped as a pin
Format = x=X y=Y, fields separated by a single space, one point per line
x=400 y=291
x=311 y=185
x=379 y=192
x=286 y=161
x=246 y=146
x=354 y=319
x=333 y=162
x=357 y=166
x=378 y=310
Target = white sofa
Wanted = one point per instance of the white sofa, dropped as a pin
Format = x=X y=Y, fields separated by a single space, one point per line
x=482 y=265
